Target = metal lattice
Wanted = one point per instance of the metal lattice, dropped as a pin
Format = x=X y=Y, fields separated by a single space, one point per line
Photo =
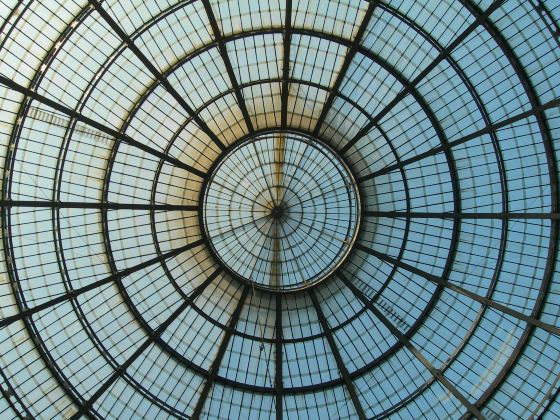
x=279 y=209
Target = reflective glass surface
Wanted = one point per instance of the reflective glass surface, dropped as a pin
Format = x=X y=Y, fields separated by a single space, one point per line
x=403 y=156
x=281 y=211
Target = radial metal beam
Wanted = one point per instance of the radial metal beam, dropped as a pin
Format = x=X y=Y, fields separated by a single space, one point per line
x=462 y=215
x=547 y=142
x=152 y=338
x=213 y=372
x=101 y=127
x=94 y=205
x=550 y=399
x=155 y=72
x=458 y=289
x=278 y=382
x=548 y=18
x=474 y=135
x=547 y=399
x=351 y=53
x=409 y=87
x=287 y=41
x=229 y=68
x=338 y=358
x=412 y=348
x=54 y=119
x=112 y=278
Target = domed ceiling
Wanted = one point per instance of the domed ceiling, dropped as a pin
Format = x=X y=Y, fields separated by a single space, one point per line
x=279 y=209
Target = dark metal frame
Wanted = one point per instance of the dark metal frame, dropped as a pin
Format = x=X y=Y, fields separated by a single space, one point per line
x=210 y=175
x=537 y=110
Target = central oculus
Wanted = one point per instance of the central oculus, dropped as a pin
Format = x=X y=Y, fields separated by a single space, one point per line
x=281 y=211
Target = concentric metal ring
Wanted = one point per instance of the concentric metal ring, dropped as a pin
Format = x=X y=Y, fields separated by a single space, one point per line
x=115 y=115
x=281 y=211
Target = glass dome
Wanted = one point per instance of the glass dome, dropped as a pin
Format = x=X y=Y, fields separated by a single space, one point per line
x=279 y=209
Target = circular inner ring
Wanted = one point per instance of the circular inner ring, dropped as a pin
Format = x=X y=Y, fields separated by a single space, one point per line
x=281 y=211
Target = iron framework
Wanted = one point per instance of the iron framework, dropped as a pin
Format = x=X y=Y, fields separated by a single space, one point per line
x=115 y=302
